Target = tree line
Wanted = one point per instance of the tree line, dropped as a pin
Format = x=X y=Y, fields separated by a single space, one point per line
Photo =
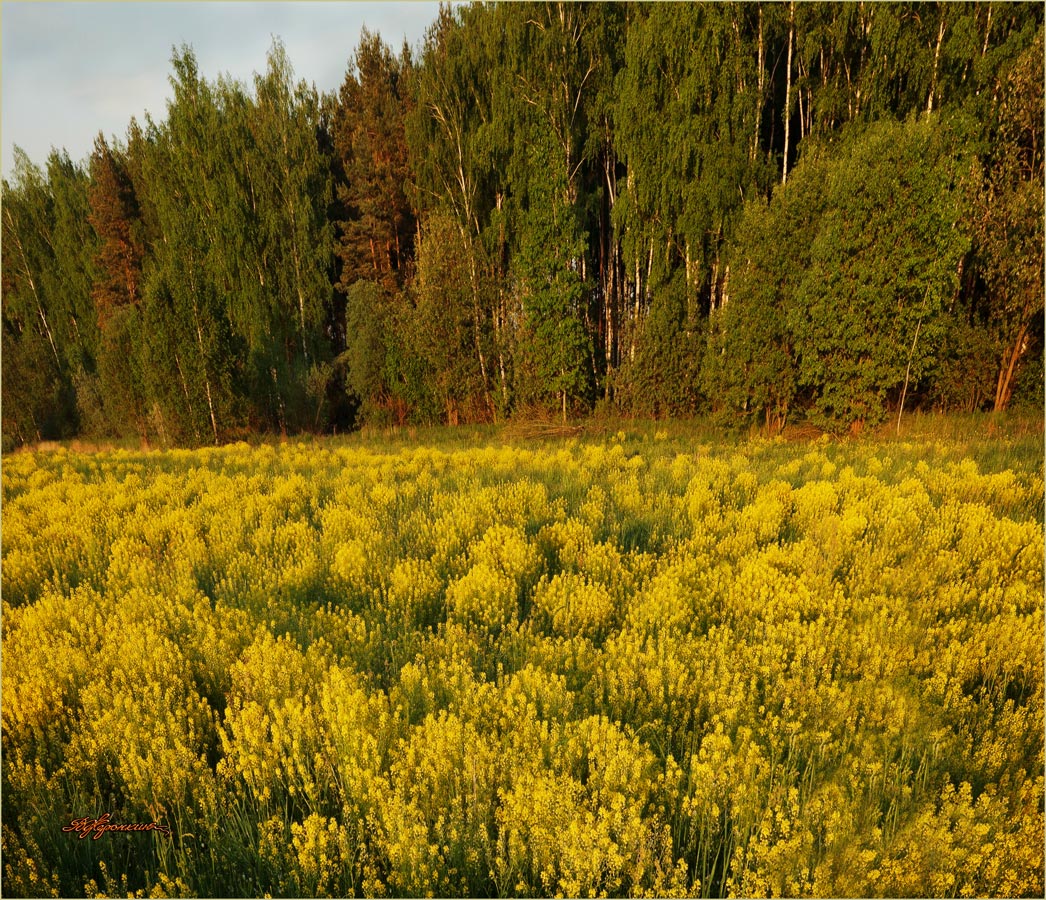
x=765 y=212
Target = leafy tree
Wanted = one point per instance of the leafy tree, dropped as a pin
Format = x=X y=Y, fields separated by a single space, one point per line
x=554 y=57
x=688 y=111
x=966 y=377
x=442 y=324
x=37 y=318
x=884 y=263
x=238 y=189
x=553 y=350
x=286 y=199
x=453 y=130
x=844 y=280
x=664 y=377
x=35 y=396
x=190 y=342
x=384 y=371
x=751 y=370
x=75 y=245
x=1009 y=224
x=365 y=352
x=603 y=44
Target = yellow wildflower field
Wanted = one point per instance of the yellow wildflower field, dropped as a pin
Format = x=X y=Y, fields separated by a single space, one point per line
x=599 y=666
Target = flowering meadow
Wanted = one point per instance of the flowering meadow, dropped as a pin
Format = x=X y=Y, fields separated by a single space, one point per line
x=622 y=664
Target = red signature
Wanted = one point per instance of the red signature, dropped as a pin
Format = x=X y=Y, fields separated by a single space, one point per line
x=87 y=826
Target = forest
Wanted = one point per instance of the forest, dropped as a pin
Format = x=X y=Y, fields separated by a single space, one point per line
x=765 y=213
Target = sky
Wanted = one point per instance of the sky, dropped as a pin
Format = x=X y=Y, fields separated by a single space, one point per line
x=70 y=70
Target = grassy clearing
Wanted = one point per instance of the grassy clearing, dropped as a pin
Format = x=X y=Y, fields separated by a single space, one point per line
x=639 y=659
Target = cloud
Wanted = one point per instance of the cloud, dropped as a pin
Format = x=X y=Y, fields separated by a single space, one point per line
x=71 y=70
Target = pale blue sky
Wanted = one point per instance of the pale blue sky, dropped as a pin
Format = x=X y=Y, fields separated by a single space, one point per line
x=72 y=69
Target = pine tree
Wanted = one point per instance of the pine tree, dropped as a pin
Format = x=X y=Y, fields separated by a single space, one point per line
x=114 y=217
x=376 y=225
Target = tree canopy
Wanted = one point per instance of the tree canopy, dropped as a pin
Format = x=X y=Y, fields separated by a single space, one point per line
x=769 y=212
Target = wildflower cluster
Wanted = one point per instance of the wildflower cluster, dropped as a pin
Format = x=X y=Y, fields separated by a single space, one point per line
x=574 y=669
